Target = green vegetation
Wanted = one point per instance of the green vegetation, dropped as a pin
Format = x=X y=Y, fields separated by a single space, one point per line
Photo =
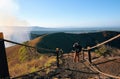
x=33 y=69
x=49 y=63
x=104 y=50
x=23 y=54
x=26 y=53
x=66 y=40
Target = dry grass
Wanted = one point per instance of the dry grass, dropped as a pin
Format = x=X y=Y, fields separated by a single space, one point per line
x=17 y=68
x=35 y=41
x=31 y=66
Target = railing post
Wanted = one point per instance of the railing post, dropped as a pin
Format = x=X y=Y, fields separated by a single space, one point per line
x=89 y=55
x=57 y=58
x=4 y=72
x=83 y=54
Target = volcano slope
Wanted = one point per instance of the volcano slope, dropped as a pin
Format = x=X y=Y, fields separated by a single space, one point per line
x=68 y=69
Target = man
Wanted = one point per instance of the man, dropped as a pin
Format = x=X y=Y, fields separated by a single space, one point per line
x=77 y=48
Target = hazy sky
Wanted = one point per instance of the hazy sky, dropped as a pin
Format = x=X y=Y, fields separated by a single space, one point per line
x=60 y=13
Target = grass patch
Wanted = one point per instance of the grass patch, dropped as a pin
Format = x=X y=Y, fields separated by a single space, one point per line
x=23 y=54
x=104 y=50
x=31 y=66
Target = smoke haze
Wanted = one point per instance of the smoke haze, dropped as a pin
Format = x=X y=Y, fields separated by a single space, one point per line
x=10 y=24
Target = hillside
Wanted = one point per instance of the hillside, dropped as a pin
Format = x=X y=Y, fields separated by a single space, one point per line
x=13 y=51
x=30 y=61
x=66 y=40
x=23 y=60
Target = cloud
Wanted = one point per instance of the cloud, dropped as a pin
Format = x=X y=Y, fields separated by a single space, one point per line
x=10 y=22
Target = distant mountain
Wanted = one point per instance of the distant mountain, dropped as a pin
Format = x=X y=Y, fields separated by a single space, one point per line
x=35 y=29
x=66 y=40
x=102 y=28
x=40 y=30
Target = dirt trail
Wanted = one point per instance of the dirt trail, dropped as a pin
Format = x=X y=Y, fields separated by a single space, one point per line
x=81 y=70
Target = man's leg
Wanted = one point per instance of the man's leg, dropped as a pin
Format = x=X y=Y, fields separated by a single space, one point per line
x=77 y=57
x=74 y=60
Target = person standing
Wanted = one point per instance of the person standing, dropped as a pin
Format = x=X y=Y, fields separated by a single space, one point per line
x=77 y=48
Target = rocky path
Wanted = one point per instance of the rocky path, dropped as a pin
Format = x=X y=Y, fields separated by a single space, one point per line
x=70 y=70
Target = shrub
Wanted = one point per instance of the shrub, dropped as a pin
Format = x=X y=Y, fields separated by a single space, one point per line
x=33 y=69
x=49 y=63
x=104 y=50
